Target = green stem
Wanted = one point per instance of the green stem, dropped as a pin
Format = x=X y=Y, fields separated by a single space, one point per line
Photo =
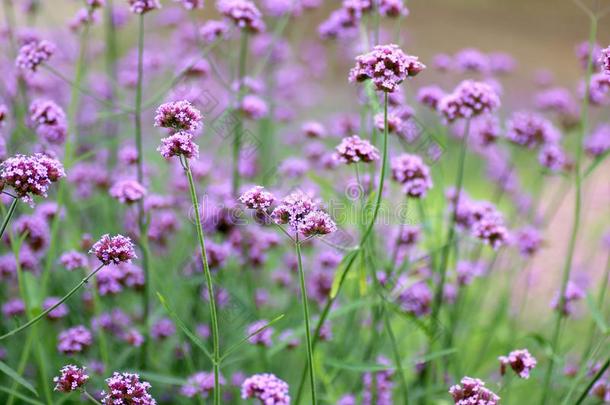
x=58 y=303
x=312 y=378
x=8 y=216
x=243 y=53
x=91 y=397
x=601 y=297
x=577 y=216
x=599 y=375
x=208 y=278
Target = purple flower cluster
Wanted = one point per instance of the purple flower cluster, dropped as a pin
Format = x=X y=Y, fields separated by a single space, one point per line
x=353 y=150
x=74 y=340
x=126 y=388
x=213 y=30
x=143 y=6
x=243 y=13
x=191 y=4
x=378 y=386
x=200 y=383
x=387 y=66
x=468 y=100
x=73 y=260
x=472 y=391
x=114 y=249
x=127 y=191
x=179 y=144
x=392 y=8
x=521 y=361
x=531 y=130
x=262 y=338
x=529 y=241
x=70 y=379
x=257 y=198
x=430 y=96
x=598 y=142
x=267 y=388
x=572 y=294
x=416 y=299
x=59 y=312
x=178 y=116
x=413 y=174
x=33 y=54
x=604 y=60
x=601 y=390
x=482 y=219
x=49 y=120
x=30 y=175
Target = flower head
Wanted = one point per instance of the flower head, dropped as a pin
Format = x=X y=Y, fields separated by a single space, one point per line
x=469 y=99
x=200 y=383
x=267 y=388
x=257 y=198
x=213 y=30
x=143 y=6
x=353 y=150
x=387 y=66
x=70 y=379
x=604 y=60
x=317 y=223
x=179 y=144
x=126 y=388
x=30 y=175
x=114 y=249
x=413 y=174
x=33 y=54
x=531 y=130
x=243 y=13
x=127 y=191
x=74 y=340
x=263 y=337
x=472 y=391
x=521 y=361
x=179 y=116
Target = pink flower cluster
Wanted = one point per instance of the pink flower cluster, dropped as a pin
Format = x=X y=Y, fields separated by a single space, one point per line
x=413 y=174
x=70 y=379
x=143 y=6
x=257 y=198
x=243 y=13
x=531 y=130
x=472 y=391
x=353 y=150
x=267 y=388
x=126 y=388
x=521 y=361
x=178 y=116
x=30 y=175
x=127 y=191
x=387 y=66
x=33 y=54
x=49 y=120
x=469 y=99
x=604 y=60
x=74 y=340
x=114 y=249
x=200 y=383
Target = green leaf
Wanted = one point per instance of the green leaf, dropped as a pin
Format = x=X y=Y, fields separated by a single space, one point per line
x=19 y=395
x=15 y=376
x=598 y=317
x=244 y=340
x=343 y=267
x=359 y=367
x=184 y=328
x=438 y=354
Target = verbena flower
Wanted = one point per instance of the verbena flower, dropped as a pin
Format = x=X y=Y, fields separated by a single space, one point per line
x=114 y=249
x=353 y=150
x=415 y=299
x=143 y=6
x=387 y=66
x=378 y=386
x=601 y=390
x=33 y=54
x=179 y=144
x=60 y=312
x=200 y=383
x=127 y=191
x=472 y=391
x=191 y=4
x=262 y=338
x=213 y=30
x=179 y=116
x=73 y=260
x=254 y=107
x=162 y=329
x=267 y=388
x=604 y=60
x=412 y=173
x=393 y=8
x=553 y=157
x=572 y=294
x=598 y=142
x=14 y=307
x=74 y=340
x=71 y=378
x=313 y=129
x=126 y=388
x=521 y=361
x=529 y=241
x=468 y=100
x=243 y=13
x=430 y=96
x=30 y=175
x=257 y=198
x=317 y=223
x=530 y=130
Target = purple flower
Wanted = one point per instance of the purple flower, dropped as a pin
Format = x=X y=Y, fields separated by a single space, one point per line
x=200 y=383
x=413 y=174
x=353 y=150
x=472 y=60
x=472 y=391
x=143 y=6
x=430 y=96
x=127 y=191
x=14 y=307
x=59 y=312
x=601 y=390
x=468 y=100
x=74 y=340
x=316 y=223
x=126 y=388
x=468 y=271
x=114 y=249
x=530 y=130
x=254 y=107
x=179 y=116
x=387 y=66
x=33 y=54
x=213 y=30
x=267 y=388
x=572 y=294
x=378 y=386
x=313 y=129
x=70 y=379
x=415 y=299
x=598 y=142
x=257 y=198
x=262 y=338
x=392 y=8
x=599 y=86
x=243 y=13
x=73 y=260
x=30 y=175
x=491 y=230
x=552 y=157
x=521 y=361
x=191 y=4
x=604 y=60
x=162 y=329
x=34 y=230
x=179 y=144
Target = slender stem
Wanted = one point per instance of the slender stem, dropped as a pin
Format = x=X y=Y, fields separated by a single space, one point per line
x=601 y=297
x=312 y=378
x=58 y=303
x=8 y=216
x=91 y=397
x=208 y=278
x=577 y=216
x=243 y=54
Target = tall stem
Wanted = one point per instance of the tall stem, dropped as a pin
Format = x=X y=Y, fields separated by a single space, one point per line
x=567 y=268
x=241 y=73
x=208 y=279
x=312 y=378
x=58 y=303
x=8 y=216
